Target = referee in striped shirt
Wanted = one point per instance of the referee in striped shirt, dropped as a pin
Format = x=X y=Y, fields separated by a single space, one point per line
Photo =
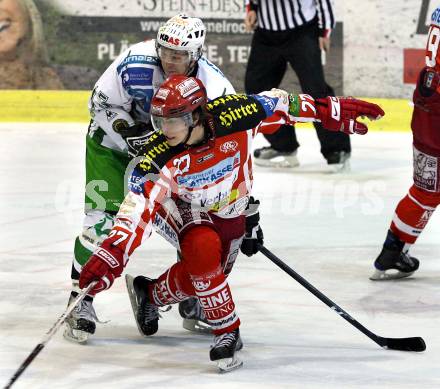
x=294 y=32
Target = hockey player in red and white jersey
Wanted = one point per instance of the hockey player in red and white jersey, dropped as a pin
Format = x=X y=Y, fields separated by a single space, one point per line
x=193 y=180
x=415 y=209
x=120 y=111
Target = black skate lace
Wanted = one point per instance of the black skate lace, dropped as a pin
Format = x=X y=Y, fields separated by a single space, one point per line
x=149 y=312
x=225 y=339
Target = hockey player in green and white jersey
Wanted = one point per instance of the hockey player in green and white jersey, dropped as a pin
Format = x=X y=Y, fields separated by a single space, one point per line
x=119 y=126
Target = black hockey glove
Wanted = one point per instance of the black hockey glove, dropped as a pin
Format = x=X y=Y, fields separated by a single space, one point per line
x=254 y=233
x=135 y=136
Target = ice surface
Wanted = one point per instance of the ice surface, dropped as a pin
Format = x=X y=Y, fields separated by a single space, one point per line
x=329 y=228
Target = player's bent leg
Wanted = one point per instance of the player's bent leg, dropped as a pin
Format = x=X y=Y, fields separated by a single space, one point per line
x=81 y=323
x=201 y=255
x=173 y=218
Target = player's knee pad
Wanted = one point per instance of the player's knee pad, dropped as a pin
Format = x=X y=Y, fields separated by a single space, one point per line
x=201 y=250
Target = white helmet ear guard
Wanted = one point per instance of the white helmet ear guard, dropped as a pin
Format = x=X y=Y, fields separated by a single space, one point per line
x=183 y=33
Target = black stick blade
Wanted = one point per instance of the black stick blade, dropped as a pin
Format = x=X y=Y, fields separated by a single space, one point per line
x=405 y=344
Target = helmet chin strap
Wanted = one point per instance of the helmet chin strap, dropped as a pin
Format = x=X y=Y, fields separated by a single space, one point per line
x=190 y=130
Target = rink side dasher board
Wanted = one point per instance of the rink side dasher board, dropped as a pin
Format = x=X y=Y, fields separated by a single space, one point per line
x=71 y=106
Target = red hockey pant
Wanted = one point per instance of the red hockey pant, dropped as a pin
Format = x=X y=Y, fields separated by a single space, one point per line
x=208 y=254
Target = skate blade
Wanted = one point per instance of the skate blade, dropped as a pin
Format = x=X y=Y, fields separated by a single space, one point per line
x=381 y=275
x=340 y=168
x=75 y=336
x=227 y=365
x=196 y=326
x=277 y=162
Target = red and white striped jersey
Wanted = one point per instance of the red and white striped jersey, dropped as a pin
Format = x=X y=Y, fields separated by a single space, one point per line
x=216 y=176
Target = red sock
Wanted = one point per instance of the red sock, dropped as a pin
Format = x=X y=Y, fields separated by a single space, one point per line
x=201 y=256
x=172 y=286
x=413 y=213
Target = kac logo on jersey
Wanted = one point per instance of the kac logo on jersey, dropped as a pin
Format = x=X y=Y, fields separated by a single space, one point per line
x=229 y=146
x=201 y=286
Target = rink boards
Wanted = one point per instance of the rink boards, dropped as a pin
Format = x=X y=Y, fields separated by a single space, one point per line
x=71 y=106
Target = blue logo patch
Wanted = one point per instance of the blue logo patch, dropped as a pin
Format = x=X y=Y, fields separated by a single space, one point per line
x=137 y=76
x=435 y=18
x=268 y=103
x=136 y=181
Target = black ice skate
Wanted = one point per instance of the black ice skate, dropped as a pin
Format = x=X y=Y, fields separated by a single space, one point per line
x=81 y=323
x=145 y=313
x=339 y=161
x=393 y=264
x=224 y=351
x=193 y=317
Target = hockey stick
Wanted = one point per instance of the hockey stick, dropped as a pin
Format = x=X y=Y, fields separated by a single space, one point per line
x=403 y=344
x=49 y=334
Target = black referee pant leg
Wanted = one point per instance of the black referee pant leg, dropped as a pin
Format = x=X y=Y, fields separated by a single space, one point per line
x=265 y=70
x=304 y=55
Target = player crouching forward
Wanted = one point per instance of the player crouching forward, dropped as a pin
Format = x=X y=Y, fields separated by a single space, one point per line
x=195 y=177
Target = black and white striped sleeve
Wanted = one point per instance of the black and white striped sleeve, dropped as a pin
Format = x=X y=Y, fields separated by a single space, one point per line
x=326 y=16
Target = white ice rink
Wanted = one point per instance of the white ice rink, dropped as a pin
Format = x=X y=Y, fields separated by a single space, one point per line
x=329 y=228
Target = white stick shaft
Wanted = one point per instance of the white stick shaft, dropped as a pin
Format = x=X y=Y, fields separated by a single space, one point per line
x=67 y=312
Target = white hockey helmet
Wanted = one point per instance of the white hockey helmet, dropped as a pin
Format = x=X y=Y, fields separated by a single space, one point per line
x=182 y=33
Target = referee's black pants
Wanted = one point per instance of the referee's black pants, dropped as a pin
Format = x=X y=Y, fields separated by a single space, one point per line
x=270 y=53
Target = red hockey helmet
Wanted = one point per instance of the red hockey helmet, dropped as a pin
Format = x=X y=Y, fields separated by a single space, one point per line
x=178 y=97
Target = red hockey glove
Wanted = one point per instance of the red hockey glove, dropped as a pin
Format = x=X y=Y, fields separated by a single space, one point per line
x=106 y=264
x=341 y=113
